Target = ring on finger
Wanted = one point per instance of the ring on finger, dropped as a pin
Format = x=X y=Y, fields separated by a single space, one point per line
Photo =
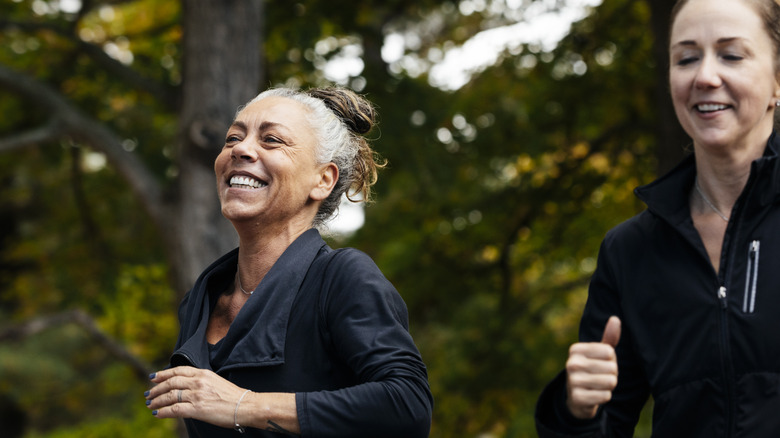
x=179 y=396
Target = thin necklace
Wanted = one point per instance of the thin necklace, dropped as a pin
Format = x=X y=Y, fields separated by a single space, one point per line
x=238 y=280
x=707 y=201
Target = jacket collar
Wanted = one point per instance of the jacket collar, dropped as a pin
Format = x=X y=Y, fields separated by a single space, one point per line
x=257 y=335
x=667 y=197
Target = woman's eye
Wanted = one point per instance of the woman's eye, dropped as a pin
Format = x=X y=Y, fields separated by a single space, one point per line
x=686 y=60
x=231 y=139
x=271 y=139
x=732 y=57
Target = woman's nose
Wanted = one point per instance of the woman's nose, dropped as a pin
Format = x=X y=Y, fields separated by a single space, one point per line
x=243 y=151
x=707 y=75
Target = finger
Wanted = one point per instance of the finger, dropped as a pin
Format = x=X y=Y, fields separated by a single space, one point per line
x=596 y=382
x=590 y=397
x=166 y=399
x=612 y=331
x=584 y=402
x=586 y=365
x=164 y=375
x=178 y=410
x=173 y=383
x=592 y=350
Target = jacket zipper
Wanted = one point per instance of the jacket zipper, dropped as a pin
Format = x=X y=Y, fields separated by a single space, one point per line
x=751 y=278
x=723 y=298
x=728 y=368
x=725 y=274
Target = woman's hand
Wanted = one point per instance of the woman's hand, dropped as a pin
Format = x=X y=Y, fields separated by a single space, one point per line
x=187 y=392
x=592 y=372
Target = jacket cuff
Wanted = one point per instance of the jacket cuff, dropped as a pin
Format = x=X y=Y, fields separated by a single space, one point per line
x=303 y=418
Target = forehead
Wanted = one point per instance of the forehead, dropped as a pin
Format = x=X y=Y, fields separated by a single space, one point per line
x=700 y=19
x=277 y=110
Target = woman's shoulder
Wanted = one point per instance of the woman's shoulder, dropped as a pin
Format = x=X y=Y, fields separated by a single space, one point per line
x=345 y=264
x=349 y=279
x=339 y=271
x=633 y=231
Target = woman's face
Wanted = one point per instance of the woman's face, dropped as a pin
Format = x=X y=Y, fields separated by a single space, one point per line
x=267 y=171
x=722 y=73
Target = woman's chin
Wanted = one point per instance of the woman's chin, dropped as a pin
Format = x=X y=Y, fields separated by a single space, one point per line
x=238 y=214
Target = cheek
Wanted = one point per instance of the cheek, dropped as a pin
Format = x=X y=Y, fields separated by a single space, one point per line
x=220 y=160
x=678 y=89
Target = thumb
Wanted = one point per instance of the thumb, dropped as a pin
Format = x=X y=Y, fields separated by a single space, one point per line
x=612 y=331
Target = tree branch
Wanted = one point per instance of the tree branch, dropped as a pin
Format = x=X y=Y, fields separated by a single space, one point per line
x=79 y=126
x=48 y=132
x=166 y=95
x=37 y=325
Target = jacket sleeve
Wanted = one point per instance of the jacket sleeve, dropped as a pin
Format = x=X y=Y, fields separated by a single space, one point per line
x=618 y=417
x=368 y=324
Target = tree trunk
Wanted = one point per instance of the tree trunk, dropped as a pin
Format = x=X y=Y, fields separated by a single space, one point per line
x=671 y=140
x=221 y=70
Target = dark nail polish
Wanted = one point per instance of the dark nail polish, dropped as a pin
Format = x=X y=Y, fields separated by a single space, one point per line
x=154 y=413
x=146 y=394
x=148 y=402
x=152 y=376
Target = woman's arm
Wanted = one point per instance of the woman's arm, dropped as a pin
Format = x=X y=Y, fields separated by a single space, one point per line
x=367 y=322
x=187 y=392
x=618 y=417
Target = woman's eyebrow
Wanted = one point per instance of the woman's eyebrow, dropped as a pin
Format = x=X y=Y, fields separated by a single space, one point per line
x=720 y=41
x=269 y=125
x=238 y=124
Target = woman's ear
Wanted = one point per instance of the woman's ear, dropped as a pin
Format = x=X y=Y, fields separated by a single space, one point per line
x=329 y=174
x=777 y=88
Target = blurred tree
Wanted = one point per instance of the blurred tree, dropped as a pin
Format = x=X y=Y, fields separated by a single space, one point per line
x=671 y=141
x=203 y=93
x=488 y=221
x=146 y=87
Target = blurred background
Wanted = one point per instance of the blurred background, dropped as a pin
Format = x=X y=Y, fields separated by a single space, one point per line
x=515 y=131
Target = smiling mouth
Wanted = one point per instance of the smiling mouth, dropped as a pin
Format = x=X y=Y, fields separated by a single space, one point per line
x=245 y=182
x=710 y=107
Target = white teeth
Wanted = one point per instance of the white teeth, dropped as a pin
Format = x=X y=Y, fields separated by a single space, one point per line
x=245 y=181
x=709 y=107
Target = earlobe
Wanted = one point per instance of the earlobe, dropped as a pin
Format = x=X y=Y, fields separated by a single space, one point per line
x=328 y=176
x=777 y=91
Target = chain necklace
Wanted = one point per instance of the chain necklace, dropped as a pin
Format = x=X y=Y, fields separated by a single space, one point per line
x=707 y=201
x=238 y=280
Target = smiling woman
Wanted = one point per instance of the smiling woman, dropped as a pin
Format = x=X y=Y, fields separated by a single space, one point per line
x=285 y=335
x=690 y=282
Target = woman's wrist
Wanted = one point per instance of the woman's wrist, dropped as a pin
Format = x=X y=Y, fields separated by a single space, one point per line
x=237 y=426
x=276 y=412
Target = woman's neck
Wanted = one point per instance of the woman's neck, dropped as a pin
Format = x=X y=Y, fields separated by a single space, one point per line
x=723 y=172
x=259 y=250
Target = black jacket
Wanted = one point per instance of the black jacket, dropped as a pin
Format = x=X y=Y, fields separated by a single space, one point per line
x=706 y=346
x=324 y=324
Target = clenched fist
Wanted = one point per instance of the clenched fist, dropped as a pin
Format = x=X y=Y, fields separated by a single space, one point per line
x=592 y=372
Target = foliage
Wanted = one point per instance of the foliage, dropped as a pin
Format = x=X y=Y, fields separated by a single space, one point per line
x=488 y=218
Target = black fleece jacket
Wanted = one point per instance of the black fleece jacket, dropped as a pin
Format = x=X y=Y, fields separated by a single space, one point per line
x=324 y=324
x=704 y=345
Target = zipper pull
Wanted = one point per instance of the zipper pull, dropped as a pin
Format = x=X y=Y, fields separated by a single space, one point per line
x=754 y=249
x=722 y=297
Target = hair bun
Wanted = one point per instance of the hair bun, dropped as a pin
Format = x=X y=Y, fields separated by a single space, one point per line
x=354 y=111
